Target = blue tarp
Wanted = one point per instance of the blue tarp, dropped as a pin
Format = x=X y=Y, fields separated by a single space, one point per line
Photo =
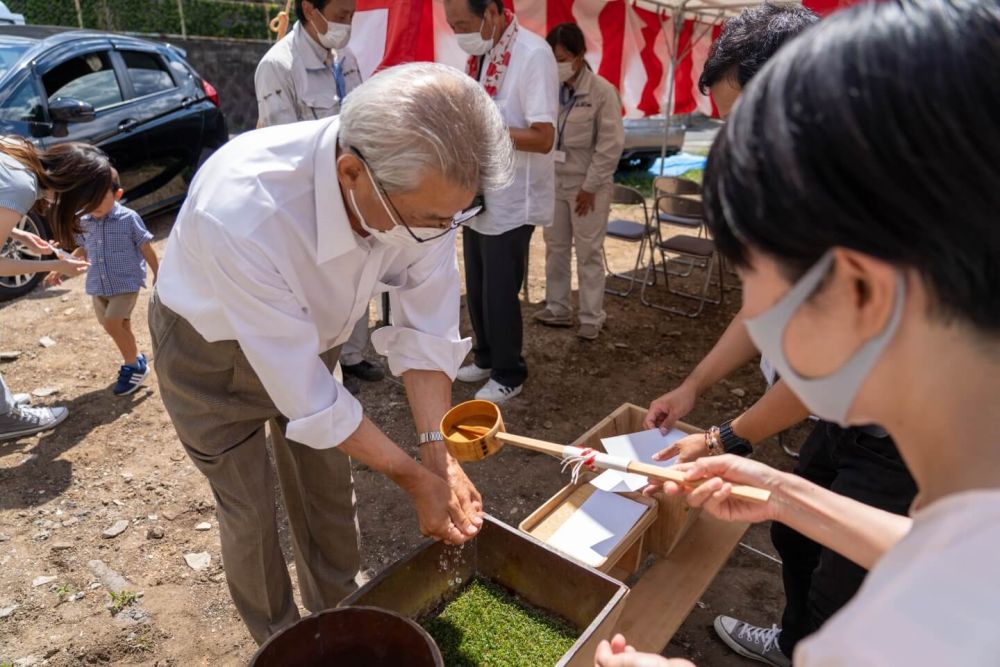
x=678 y=164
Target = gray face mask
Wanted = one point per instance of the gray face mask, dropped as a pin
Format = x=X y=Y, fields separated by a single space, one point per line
x=830 y=397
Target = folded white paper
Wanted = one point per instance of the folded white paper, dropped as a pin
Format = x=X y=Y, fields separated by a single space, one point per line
x=597 y=527
x=636 y=447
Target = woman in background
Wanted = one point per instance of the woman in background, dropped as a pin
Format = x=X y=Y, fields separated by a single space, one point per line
x=59 y=183
x=589 y=142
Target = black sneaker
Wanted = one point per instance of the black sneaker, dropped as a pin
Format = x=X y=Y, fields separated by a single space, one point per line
x=365 y=370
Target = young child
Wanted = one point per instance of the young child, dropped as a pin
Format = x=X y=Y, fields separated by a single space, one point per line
x=117 y=244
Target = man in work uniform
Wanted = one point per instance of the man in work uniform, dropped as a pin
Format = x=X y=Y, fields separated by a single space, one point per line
x=306 y=76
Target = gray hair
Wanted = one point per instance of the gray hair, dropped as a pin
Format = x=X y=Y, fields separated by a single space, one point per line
x=417 y=118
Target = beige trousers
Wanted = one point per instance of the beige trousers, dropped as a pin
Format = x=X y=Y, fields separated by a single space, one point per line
x=586 y=233
x=219 y=408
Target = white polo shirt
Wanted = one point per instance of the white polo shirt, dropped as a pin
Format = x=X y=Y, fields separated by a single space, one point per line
x=262 y=253
x=529 y=94
x=294 y=80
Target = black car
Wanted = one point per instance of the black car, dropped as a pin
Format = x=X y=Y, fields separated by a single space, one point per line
x=140 y=101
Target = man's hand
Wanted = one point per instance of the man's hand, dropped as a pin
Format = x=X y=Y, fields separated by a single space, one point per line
x=52 y=279
x=667 y=409
x=584 y=202
x=688 y=448
x=33 y=241
x=617 y=653
x=438 y=510
x=437 y=460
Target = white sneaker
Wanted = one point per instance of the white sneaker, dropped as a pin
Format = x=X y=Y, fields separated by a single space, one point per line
x=22 y=399
x=495 y=392
x=472 y=373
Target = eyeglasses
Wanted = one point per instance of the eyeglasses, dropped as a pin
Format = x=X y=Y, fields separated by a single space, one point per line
x=457 y=220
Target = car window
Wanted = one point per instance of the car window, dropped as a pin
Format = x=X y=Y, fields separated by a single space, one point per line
x=9 y=55
x=24 y=104
x=148 y=73
x=90 y=78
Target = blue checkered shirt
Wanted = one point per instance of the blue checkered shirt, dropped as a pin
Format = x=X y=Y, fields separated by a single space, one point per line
x=113 y=247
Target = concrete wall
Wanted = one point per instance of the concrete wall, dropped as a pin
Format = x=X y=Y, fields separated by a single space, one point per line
x=229 y=66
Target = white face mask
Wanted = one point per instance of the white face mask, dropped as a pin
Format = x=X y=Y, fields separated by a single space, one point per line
x=830 y=397
x=397 y=237
x=334 y=36
x=473 y=42
x=566 y=71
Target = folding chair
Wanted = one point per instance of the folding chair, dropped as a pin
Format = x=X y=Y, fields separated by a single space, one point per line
x=671 y=194
x=698 y=250
x=678 y=202
x=630 y=231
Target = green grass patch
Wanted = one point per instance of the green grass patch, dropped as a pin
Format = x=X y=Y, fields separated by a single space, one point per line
x=121 y=600
x=487 y=625
x=643 y=180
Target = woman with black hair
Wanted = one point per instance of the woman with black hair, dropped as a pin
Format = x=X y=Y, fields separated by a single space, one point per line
x=590 y=136
x=864 y=226
x=60 y=183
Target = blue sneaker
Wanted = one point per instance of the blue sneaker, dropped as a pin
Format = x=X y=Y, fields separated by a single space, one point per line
x=130 y=378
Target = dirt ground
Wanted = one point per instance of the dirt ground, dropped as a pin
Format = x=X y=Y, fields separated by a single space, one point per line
x=119 y=459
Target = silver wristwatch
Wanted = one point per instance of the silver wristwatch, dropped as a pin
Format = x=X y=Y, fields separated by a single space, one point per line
x=428 y=437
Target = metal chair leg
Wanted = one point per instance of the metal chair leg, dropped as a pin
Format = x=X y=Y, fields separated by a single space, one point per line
x=701 y=298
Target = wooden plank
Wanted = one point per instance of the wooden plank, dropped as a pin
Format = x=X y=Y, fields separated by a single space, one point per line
x=665 y=594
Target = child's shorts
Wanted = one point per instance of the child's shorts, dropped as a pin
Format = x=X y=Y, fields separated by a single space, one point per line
x=117 y=307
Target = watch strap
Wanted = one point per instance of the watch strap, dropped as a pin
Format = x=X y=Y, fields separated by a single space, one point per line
x=732 y=443
x=428 y=437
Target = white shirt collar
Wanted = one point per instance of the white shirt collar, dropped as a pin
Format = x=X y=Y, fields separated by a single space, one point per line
x=334 y=235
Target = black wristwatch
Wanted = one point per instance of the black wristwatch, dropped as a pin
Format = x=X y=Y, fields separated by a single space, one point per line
x=732 y=443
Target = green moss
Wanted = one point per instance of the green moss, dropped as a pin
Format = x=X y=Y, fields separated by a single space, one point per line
x=488 y=626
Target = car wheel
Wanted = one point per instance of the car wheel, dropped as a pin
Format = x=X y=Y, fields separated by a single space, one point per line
x=12 y=287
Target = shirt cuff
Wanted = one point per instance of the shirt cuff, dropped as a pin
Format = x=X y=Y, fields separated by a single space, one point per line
x=409 y=349
x=328 y=427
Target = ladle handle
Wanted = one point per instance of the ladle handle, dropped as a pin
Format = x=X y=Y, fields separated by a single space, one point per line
x=741 y=491
x=532 y=444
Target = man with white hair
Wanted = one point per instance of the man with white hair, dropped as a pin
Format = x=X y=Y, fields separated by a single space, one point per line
x=285 y=236
x=307 y=76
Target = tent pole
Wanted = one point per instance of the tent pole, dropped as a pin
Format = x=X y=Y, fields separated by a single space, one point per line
x=676 y=17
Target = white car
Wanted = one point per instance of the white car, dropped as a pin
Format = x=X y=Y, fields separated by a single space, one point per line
x=8 y=17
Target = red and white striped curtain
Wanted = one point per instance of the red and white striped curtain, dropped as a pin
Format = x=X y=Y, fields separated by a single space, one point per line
x=628 y=46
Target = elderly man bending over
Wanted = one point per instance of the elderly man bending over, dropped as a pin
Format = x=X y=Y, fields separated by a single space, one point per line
x=286 y=235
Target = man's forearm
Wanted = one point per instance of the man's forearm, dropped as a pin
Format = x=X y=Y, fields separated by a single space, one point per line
x=538 y=138
x=858 y=532
x=733 y=349
x=371 y=446
x=429 y=395
x=774 y=412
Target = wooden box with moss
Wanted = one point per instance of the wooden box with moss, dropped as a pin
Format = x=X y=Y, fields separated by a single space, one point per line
x=502 y=599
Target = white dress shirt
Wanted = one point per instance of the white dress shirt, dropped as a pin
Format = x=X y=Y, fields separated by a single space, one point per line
x=528 y=94
x=933 y=599
x=294 y=80
x=262 y=253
